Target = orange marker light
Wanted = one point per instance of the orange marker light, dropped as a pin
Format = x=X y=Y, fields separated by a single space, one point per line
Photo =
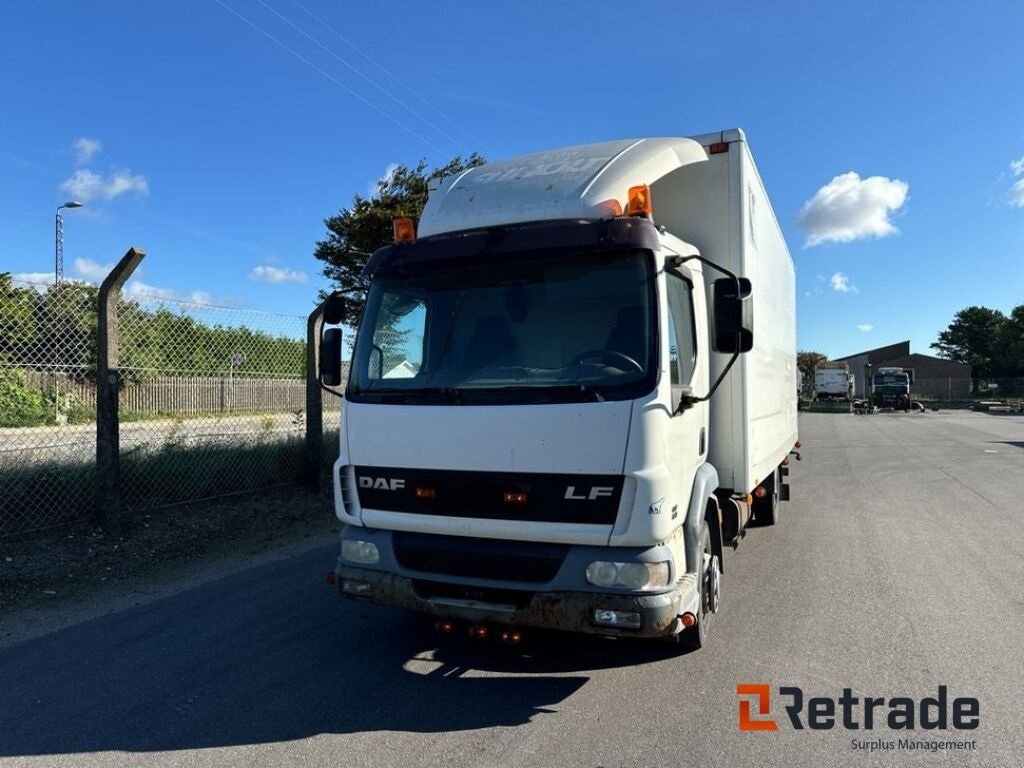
x=515 y=497
x=718 y=148
x=405 y=230
x=760 y=492
x=689 y=619
x=426 y=493
x=639 y=201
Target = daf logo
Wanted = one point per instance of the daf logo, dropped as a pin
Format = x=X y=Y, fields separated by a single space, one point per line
x=382 y=483
x=594 y=493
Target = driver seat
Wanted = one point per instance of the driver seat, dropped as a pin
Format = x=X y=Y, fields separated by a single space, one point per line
x=628 y=337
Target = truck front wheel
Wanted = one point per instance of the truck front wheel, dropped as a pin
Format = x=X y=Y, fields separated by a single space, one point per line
x=710 y=589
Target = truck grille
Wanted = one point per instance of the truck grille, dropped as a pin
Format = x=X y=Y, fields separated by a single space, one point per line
x=479 y=558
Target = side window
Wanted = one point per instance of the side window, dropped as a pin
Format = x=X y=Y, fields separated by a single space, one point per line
x=398 y=340
x=682 y=338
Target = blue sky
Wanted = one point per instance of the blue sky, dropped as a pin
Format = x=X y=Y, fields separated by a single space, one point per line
x=220 y=151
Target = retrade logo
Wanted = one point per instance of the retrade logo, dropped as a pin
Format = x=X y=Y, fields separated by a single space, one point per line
x=762 y=694
x=853 y=713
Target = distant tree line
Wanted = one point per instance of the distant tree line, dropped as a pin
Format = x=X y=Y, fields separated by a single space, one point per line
x=989 y=341
x=57 y=327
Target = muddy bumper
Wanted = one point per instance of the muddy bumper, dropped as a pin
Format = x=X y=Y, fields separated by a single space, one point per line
x=655 y=615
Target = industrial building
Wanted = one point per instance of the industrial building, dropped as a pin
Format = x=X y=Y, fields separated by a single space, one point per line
x=934 y=377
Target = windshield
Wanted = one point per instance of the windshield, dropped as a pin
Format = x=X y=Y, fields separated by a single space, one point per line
x=891 y=380
x=541 y=330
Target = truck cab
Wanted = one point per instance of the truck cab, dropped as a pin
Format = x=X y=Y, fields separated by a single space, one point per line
x=890 y=388
x=529 y=433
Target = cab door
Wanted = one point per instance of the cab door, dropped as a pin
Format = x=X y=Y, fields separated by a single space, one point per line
x=686 y=329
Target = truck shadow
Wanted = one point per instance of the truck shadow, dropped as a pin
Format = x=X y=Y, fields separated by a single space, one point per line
x=272 y=655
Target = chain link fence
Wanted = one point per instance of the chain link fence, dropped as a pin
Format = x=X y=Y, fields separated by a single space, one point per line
x=968 y=391
x=211 y=401
x=47 y=430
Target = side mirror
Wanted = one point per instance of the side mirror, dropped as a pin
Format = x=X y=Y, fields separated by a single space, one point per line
x=733 y=316
x=334 y=309
x=330 y=357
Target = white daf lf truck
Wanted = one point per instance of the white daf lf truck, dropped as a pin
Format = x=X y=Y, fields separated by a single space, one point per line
x=569 y=390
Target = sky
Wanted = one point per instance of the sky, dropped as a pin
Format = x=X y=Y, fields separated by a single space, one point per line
x=218 y=134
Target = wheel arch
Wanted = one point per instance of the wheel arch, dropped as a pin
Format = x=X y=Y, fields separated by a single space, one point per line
x=703 y=510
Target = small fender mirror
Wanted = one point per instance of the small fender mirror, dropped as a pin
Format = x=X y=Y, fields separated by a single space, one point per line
x=330 y=357
x=334 y=309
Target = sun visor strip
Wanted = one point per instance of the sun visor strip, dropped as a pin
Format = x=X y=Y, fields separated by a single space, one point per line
x=518 y=239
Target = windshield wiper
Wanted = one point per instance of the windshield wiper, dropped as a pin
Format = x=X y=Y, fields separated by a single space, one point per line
x=548 y=389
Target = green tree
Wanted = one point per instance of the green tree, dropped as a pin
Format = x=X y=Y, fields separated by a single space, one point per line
x=1011 y=343
x=975 y=338
x=807 y=362
x=17 y=321
x=366 y=225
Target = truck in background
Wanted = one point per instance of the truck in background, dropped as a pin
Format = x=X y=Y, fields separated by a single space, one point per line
x=569 y=391
x=833 y=381
x=890 y=388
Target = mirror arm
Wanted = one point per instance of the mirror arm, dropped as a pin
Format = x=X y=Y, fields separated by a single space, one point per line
x=688 y=401
x=677 y=261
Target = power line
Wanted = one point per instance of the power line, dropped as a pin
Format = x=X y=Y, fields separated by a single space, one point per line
x=333 y=79
x=387 y=72
x=365 y=77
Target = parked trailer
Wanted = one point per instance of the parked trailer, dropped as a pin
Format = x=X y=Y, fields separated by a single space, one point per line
x=833 y=381
x=570 y=391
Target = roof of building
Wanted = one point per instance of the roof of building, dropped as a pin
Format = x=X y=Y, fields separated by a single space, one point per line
x=899 y=354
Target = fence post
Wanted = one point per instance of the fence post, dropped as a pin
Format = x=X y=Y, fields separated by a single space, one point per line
x=108 y=379
x=314 y=400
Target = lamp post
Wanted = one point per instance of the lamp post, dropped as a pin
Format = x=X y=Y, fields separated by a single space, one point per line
x=58 y=277
x=58 y=251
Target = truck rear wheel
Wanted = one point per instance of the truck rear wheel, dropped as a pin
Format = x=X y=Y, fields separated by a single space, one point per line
x=710 y=585
x=766 y=509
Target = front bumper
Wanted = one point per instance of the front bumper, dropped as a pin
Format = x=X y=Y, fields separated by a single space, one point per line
x=562 y=610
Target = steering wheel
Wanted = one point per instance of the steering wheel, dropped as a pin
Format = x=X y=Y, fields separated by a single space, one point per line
x=611 y=357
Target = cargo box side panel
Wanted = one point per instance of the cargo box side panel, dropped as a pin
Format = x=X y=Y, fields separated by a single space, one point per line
x=769 y=369
x=721 y=207
x=695 y=203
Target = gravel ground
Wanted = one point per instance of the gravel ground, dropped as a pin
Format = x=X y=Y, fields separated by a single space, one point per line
x=48 y=571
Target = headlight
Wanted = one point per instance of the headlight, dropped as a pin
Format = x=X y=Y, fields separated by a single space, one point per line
x=355 y=551
x=628 y=575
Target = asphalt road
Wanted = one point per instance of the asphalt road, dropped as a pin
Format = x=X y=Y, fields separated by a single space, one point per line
x=896 y=568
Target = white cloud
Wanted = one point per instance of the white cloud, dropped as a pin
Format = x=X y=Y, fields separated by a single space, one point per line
x=865 y=327
x=850 y=208
x=384 y=179
x=277 y=275
x=146 y=293
x=86 y=149
x=88 y=269
x=85 y=185
x=1016 y=193
x=37 y=280
x=841 y=283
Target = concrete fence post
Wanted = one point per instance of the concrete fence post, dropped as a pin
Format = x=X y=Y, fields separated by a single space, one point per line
x=314 y=401
x=108 y=380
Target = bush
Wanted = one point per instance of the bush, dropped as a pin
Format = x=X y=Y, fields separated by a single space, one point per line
x=21 y=406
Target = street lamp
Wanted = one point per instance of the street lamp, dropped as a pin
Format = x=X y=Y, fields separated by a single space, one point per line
x=58 y=260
